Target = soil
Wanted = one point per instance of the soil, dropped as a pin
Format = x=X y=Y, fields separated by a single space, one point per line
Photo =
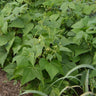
x=7 y=88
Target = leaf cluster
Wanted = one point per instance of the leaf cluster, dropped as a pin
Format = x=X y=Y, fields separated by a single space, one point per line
x=42 y=40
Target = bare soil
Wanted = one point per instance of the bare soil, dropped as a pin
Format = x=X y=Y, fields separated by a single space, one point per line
x=7 y=88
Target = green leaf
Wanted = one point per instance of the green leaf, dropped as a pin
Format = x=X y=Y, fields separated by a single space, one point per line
x=55 y=92
x=3 y=55
x=80 y=24
x=78 y=38
x=3 y=40
x=72 y=5
x=52 y=72
x=20 y=1
x=80 y=66
x=32 y=58
x=4 y=27
x=93 y=74
x=18 y=23
x=65 y=41
x=49 y=57
x=44 y=64
x=10 y=68
x=30 y=74
x=68 y=66
x=59 y=57
x=88 y=9
x=4 y=50
x=1 y=20
x=94 y=59
x=34 y=92
x=9 y=45
x=54 y=17
x=17 y=45
x=86 y=59
x=79 y=51
x=64 y=49
x=28 y=28
x=7 y=9
x=26 y=18
x=38 y=50
x=64 y=7
x=21 y=61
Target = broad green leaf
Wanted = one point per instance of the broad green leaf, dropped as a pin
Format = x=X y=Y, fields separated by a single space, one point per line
x=1 y=21
x=58 y=65
x=86 y=59
x=51 y=24
x=88 y=9
x=26 y=18
x=24 y=58
x=7 y=9
x=17 y=45
x=44 y=64
x=68 y=66
x=38 y=50
x=20 y=1
x=17 y=73
x=52 y=73
x=3 y=40
x=31 y=42
x=10 y=68
x=4 y=27
x=36 y=46
x=80 y=24
x=18 y=23
x=92 y=21
x=9 y=45
x=4 y=50
x=49 y=57
x=32 y=58
x=64 y=41
x=21 y=61
x=94 y=59
x=80 y=50
x=28 y=28
x=54 y=92
x=78 y=38
x=72 y=5
x=3 y=55
x=30 y=74
x=54 y=17
x=93 y=73
x=64 y=49
x=59 y=57
x=64 y=6
x=18 y=10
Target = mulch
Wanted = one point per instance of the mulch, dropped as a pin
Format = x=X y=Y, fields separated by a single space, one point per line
x=8 y=88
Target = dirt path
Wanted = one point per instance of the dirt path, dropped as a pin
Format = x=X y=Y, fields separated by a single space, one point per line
x=7 y=88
